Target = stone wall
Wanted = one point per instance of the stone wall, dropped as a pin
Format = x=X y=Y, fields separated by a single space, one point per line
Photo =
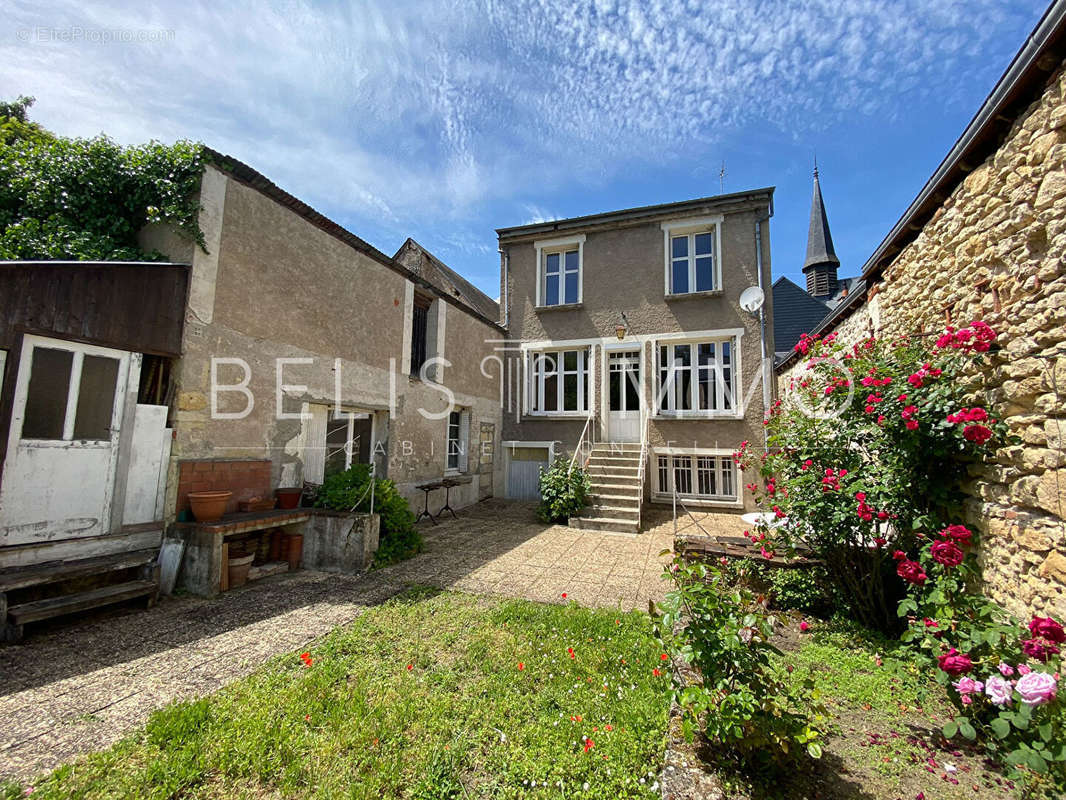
x=996 y=250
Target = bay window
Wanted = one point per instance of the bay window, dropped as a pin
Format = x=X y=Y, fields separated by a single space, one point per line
x=696 y=377
x=558 y=381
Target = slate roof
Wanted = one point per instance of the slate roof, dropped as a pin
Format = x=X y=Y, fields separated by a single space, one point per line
x=795 y=313
x=819 y=241
x=422 y=262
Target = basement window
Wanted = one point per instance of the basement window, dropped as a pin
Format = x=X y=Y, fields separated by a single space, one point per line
x=696 y=476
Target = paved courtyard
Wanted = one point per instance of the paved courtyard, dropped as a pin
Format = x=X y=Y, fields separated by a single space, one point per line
x=80 y=684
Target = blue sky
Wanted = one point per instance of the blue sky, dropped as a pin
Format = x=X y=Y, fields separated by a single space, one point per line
x=444 y=121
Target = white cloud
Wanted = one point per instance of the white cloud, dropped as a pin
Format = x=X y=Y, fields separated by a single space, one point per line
x=405 y=117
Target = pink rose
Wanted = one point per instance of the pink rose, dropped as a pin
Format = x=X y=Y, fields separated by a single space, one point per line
x=1047 y=628
x=1036 y=688
x=1023 y=669
x=999 y=689
x=968 y=686
x=1006 y=670
x=804 y=626
x=955 y=663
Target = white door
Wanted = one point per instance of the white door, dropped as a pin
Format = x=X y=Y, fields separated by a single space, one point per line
x=59 y=474
x=623 y=395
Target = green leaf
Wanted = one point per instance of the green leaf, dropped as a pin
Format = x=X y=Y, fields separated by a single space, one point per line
x=950 y=729
x=1036 y=762
x=966 y=729
x=1045 y=731
x=814 y=750
x=1000 y=727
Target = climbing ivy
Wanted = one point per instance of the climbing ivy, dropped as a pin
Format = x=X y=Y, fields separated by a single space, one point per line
x=86 y=199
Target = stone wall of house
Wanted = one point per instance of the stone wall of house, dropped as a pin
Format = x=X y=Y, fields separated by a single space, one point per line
x=996 y=250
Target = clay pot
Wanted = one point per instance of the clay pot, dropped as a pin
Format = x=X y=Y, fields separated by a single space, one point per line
x=209 y=506
x=294 y=549
x=238 y=570
x=289 y=497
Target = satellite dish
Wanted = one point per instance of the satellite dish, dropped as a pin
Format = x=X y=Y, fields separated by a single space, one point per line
x=751 y=299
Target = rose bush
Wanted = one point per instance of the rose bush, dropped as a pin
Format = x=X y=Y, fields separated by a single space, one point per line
x=1001 y=676
x=866 y=452
x=742 y=701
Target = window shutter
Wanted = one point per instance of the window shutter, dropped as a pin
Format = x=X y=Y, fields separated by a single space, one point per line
x=314 y=444
x=464 y=440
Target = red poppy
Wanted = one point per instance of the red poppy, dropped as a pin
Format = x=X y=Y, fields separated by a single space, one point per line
x=521 y=666
x=664 y=657
x=656 y=672
x=306 y=658
x=410 y=667
x=589 y=744
x=564 y=595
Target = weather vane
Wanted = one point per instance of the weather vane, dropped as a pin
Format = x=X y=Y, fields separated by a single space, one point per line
x=721 y=179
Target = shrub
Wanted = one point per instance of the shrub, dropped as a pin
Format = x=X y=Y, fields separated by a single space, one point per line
x=740 y=701
x=868 y=450
x=563 y=492
x=809 y=589
x=348 y=491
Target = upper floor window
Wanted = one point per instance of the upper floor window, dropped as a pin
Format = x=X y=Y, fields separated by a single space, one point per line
x=559 y=271
x=419 y=333
x=696 y=377
x=692 y=255
x=558 y=381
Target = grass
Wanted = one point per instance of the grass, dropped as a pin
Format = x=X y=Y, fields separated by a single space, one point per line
x=430 y=696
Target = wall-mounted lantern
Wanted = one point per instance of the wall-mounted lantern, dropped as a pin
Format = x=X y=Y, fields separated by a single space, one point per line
x=623 y=324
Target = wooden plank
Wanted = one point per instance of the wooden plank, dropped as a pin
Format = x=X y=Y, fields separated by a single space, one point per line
x=77 y=549
x=55 y=571
x=55 y=606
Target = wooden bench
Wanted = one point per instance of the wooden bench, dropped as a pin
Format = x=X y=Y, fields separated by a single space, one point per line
x=13 y=617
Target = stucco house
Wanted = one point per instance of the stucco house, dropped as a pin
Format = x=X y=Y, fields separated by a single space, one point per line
x=627 y=341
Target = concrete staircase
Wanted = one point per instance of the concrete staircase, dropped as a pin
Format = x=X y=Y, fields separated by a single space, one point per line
x=616 y=496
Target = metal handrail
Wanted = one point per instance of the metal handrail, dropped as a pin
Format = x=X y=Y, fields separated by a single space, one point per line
x=586 y=431
x=642 y=466
x=684 y=508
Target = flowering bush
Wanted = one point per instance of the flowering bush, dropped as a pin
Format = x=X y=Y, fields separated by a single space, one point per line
x=865 y=454
x=563 y=492
x=1001 y=676
x=740 y=701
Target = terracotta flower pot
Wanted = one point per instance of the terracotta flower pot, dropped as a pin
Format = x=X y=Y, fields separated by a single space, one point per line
x=289 y=497
x=209 y=506
x=238 y=570
x=294 y=549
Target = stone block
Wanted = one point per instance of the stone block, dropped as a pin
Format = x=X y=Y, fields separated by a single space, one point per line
x=1054 y=566
x=1051 y=492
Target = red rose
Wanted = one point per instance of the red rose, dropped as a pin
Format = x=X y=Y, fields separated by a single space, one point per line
x=947 y=553
x=960 y=533
x=1040 y=649
x=911 y=571
x=955 y=663
x=978 y=434
x=1047 y=628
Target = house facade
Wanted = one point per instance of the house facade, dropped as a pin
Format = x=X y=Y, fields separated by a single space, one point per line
x=626 y=333
x=306 y=350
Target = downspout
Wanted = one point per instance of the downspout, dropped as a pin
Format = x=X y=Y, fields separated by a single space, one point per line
x=506 y=310
x=767 y=374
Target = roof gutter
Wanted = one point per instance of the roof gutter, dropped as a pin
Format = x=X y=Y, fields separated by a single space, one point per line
x=960 y=160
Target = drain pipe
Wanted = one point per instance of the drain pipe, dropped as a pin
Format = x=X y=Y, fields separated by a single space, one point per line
x=767 y=373
x=505 y=260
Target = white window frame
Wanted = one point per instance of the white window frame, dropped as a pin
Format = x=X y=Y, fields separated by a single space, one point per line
x=462 y=443
x=723 y=463
x=691 y=227
x=666 y=402
x=544 y=248
x=536 y=379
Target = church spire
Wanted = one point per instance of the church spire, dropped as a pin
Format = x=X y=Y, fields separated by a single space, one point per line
x=820 y=265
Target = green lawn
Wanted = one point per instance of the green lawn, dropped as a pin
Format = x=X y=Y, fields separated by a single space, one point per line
x=428 y=696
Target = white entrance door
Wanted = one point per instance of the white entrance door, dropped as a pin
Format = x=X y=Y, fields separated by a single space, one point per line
x=623 y=396
x=59 y=473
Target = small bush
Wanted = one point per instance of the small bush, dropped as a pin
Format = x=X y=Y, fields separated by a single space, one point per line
x=347 y=491
x=741 y=701
x=808 y=589
x=563 y=492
